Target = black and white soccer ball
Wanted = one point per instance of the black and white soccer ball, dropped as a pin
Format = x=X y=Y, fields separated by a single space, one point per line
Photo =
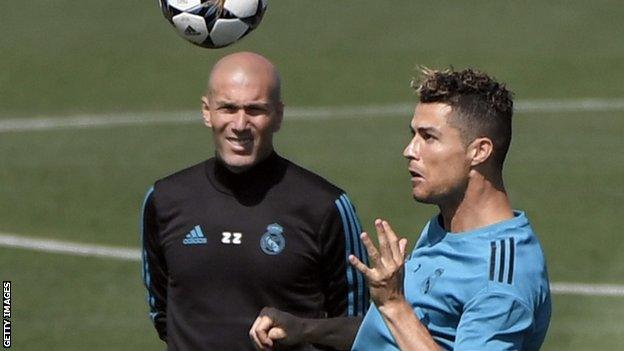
x=213 y=23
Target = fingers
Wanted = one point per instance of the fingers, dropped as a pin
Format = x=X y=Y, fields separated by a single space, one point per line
x=371 y=250
x=259 y=332
x=253 y=336
x=355 y=262
x=389 y=243
x=384 y=247
x=403 y=247
x=391 y=253
x=263 y=328
x=393 y=242
x=399 y=246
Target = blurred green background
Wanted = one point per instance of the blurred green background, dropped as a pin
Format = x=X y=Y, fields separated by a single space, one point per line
x=68 y=59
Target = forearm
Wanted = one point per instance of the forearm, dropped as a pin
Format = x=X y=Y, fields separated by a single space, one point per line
x=406 y=328
x=337 y=333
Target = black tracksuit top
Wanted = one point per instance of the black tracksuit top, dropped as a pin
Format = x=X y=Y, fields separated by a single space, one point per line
x=219 y=246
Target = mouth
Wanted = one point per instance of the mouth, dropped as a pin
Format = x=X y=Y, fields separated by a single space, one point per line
x=415 y=174
x=240 y=142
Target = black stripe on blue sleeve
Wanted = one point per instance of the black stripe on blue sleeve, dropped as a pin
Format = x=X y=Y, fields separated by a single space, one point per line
x=512 y=248
x=492 y=259
x=501 y=269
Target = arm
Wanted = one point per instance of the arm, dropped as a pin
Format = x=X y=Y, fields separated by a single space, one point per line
x=346 y=295
x=154 y=270
x=274 y=327
x=344 y=287
x=385 y=279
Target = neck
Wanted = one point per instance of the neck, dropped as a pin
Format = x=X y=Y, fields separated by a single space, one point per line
x=484 y=202
x=244 y=169
x=254 y=181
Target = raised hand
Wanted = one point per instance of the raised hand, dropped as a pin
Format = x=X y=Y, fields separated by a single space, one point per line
x=385 y=276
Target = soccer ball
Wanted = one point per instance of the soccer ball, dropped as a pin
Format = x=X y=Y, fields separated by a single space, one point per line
x=213 y=23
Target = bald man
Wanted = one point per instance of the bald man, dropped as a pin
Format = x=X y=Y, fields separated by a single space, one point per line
x=246 y=228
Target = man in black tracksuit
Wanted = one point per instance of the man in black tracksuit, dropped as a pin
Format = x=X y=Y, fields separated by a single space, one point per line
x=247 y=228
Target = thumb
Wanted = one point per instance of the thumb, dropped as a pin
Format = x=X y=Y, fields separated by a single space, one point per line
x=277 y=333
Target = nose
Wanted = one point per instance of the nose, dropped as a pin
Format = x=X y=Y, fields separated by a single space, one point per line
x=240 y=120
x=411 y=151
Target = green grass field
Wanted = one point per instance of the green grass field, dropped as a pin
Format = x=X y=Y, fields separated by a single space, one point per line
x=566 y=169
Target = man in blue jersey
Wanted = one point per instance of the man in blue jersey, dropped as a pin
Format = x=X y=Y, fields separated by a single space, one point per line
x=477 y=278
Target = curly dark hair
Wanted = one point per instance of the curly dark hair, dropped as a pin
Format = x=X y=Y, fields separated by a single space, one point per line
x=482 y=106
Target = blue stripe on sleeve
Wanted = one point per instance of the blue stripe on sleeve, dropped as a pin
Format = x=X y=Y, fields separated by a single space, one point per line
x=354 y=251
x=145 y=272
x=359 y=252
x=363 y=256
x=345 y=227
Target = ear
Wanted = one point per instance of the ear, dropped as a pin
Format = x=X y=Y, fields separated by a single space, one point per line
x=206 y=111
x=279 y=116
x=480 y=150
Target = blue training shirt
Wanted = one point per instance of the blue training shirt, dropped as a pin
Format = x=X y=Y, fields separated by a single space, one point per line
x=485 y=289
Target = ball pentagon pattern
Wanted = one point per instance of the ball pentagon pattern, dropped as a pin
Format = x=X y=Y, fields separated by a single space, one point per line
x=213 y=23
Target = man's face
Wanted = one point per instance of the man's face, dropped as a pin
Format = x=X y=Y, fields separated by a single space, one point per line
x=243 y=117
x=438 y=158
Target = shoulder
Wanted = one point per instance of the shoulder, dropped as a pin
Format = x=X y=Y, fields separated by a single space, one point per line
x=182 y=183
x=517 y=265
x=303 y=181
x=306 y=192
x=504 y=258
x=187 y=174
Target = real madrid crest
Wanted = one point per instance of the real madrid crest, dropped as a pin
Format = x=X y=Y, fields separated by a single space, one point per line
x=273 y=241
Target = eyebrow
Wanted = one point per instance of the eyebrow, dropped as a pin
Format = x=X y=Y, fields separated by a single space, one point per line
x=264 y=105
x=429 y=130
